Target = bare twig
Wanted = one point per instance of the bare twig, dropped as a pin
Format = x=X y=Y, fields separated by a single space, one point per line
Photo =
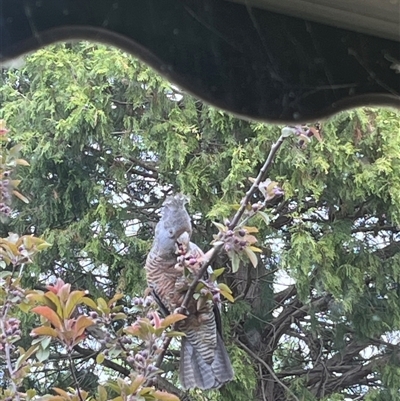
x=164 y=349
x=7 y=345
x=261 y=175
x=143 y=173
x=76 y=382
x=270 y=370
x=7 y=351
x=213 y=252
x=262 y=382
x=285 y=294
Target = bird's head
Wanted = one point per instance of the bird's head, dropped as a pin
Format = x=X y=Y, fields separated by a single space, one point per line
x=174 y=222
x=174 y=216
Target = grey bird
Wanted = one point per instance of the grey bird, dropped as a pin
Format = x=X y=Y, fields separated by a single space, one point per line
x=204 y=361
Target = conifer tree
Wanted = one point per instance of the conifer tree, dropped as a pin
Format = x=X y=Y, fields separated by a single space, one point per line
x=107 y=140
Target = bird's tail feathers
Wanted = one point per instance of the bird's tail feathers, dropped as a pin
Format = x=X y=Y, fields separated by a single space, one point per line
x=195 y=372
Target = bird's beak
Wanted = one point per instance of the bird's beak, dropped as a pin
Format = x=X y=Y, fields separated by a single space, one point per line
x=182 y=243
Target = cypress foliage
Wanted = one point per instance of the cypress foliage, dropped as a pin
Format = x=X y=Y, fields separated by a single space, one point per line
x=107 y=139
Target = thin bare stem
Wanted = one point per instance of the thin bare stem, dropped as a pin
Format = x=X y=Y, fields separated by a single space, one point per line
x=262 y=382
x=270 y=370
x=164 y=349
x=72 y=367
x=215 y=250
x=7 y=351
x=7 y=346
x=261 y=175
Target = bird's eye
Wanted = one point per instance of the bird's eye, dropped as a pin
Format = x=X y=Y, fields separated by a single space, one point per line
x=171 y=232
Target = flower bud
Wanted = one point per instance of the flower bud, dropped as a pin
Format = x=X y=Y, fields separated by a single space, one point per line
x=228 y=248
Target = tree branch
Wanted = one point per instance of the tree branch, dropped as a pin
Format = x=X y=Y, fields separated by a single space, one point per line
x=216 y=249
x=151 y=166
x=295 y=310
x=76 y=383
x=261 y=175
x=153 y=175
x=282 y=296
x=211 y=254
x=269 y=369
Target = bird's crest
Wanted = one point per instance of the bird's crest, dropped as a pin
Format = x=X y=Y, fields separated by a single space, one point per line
x=177 y=201
x=174 y=216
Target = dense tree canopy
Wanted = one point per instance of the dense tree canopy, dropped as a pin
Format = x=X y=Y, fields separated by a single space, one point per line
x=107 y=140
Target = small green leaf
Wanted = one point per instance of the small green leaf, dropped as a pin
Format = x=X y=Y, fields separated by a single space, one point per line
x=228 y=296
x=46 y=342
x=42 y=246
x=25 y=307
x=52 y=301
x=26 y=355
x=31 y=393
x=90 y=303
x=255 y=249
x=101 y=391
x=42 y=354
x=4 y=274
x=136 y=383
x=114 y=299
x=14 y=151
x=216 y=273
x=251 y=229
x=224 y=287
x=74 y=299
x=102 y=305
x=235 y=262
x=265 y=217
x=119 y=316
x=100 y=358
x=220 y=226
x=252 y=256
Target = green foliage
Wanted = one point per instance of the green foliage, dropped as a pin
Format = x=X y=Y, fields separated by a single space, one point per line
x=244 y=385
